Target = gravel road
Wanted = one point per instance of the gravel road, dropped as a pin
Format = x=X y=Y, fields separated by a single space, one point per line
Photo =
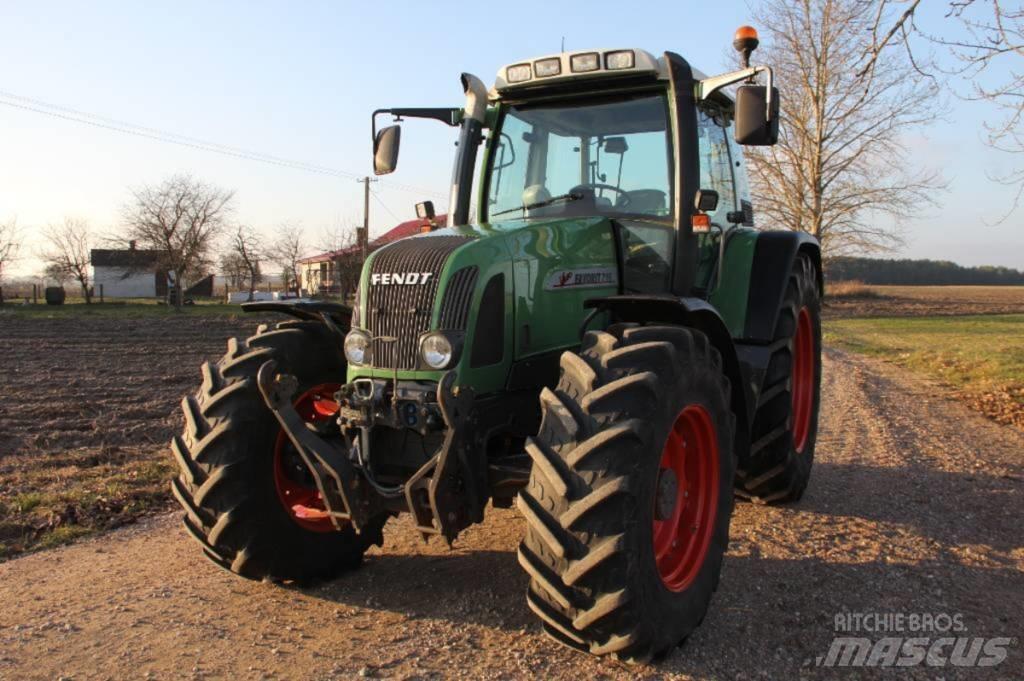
x=915 y=506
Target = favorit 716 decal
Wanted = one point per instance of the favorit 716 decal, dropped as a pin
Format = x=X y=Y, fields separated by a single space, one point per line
x=588 y=277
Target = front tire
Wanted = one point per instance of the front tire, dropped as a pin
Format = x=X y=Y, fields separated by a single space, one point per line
x=238 y=484
x=624 y=556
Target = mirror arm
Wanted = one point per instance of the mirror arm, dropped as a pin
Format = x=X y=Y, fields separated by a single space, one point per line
x=709 y=86
x=451 y=117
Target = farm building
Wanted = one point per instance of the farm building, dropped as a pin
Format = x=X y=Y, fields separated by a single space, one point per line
x=136 y=273
x=128 y=273
x=337 y=271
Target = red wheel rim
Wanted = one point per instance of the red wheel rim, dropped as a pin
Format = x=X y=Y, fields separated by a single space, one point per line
x=683 y=533
x=298 y=492
x=802 y=388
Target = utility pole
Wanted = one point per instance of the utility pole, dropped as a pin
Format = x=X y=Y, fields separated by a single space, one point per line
x=363 y=233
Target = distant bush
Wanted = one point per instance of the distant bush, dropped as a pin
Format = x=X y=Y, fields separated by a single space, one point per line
x=908 y=272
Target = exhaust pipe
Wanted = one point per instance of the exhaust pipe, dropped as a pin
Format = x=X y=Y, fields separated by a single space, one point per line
x=469 y=140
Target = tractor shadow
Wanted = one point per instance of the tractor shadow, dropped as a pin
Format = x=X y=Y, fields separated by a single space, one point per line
x=774 y=617
x=484 y=587
x=769 y=616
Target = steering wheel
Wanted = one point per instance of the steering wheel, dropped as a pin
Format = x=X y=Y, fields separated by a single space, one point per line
x=599 y=185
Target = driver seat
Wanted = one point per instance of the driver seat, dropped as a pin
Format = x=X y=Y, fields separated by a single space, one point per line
x=652 y=201
x=535 y=193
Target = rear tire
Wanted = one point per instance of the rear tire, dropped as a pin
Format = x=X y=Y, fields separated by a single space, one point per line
x=226 y=459
x=785 y=426
x=590 y=546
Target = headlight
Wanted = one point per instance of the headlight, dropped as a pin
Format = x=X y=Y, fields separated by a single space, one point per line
x=545 y=68
x=518 y=73
x=588 y=61
x=357 y=347
x=436 y=351
x=623 y=59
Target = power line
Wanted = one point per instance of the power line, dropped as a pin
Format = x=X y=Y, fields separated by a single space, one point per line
x=74 y=115
x=384 y=206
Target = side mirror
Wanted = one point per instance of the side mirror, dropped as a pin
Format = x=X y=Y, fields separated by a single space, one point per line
x=425 y=210
x=757 y=123
x=385 y=150
x=706 y=201
x=615 y=145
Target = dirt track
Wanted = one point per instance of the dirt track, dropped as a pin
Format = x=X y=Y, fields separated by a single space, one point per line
x=915 y=505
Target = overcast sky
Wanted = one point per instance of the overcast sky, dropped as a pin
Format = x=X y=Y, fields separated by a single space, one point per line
x=298 y=81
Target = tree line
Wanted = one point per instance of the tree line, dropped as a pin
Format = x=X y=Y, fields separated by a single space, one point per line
x=882 y=271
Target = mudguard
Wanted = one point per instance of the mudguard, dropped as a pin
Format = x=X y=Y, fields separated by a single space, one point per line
x=700 y=315
x=311 y=310
x=774 y=255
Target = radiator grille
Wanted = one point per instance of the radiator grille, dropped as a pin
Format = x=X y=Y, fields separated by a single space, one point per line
x=457 y=296
x=402 y=311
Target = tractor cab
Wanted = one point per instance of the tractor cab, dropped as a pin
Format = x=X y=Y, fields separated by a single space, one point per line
x=646 y=141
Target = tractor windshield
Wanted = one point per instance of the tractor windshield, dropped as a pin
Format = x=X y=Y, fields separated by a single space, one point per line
x=588 y=157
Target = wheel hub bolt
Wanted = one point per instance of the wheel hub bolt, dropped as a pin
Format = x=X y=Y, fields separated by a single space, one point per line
x=665 y=494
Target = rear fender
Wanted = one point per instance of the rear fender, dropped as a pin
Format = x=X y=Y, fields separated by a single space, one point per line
x=695 y=314
x=774 y=256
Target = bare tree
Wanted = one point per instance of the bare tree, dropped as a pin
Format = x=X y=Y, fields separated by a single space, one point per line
x=346 y=258
x=987 y=51
x=69 y=252
x=995 y=39
x=181 y=218
x=233 y=270
x=840 y=163
x=54 y=273
x=10 y=244
x=244 y=256
x=285 y=252
x=883 y=36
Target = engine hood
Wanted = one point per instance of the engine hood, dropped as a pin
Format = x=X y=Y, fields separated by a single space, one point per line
x=515 y=288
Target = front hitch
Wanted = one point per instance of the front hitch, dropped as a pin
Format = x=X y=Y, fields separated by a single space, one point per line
x=450 y=506
x=342 y=493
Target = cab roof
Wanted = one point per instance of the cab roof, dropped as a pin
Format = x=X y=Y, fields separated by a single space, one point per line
x=579 y=65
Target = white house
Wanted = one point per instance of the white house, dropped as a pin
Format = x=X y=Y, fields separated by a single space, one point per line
x=128 y=273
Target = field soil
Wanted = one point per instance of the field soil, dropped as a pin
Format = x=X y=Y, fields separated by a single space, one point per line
x=919 y=301
x=87 y=407
x=915 y=506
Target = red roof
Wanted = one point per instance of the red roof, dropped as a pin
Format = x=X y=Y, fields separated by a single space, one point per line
x=397 y=232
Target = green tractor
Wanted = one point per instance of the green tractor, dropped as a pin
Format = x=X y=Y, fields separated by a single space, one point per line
x=607 y=344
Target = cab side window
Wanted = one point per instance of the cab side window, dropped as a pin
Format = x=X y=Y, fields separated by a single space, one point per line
x=739 y=172
x=716 y=162
x=646 y=256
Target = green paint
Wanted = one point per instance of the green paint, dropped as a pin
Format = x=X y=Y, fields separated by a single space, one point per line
x=730 y=296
